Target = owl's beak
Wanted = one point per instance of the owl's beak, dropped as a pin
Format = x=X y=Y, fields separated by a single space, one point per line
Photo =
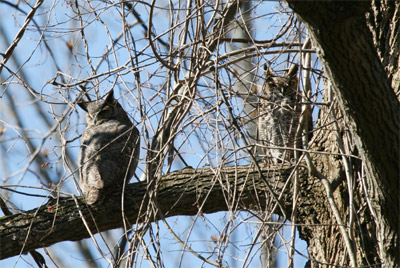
x=96 y=119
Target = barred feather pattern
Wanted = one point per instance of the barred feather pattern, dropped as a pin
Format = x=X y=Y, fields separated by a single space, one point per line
x=278 y=116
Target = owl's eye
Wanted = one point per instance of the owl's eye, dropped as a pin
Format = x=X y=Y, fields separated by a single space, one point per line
x=292 y=83
x=106 y=109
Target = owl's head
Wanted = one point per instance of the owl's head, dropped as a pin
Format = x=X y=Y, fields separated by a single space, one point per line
x=104 y=110
x=283 y=85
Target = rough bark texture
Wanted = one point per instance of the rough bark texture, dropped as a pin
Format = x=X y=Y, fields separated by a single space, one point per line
x=326 y=245
x=186 y=192
x=369 y=105
x=384 y=23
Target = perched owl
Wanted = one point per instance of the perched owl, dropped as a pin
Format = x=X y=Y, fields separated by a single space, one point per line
x=278 y=115
x=109 y=149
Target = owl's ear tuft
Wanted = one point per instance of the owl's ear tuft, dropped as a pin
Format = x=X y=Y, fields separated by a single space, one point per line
x=292 y=72
x=83 y=105
x=110 y=98
x=268 y=70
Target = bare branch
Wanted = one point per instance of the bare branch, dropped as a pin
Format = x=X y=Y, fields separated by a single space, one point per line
x=20 y=33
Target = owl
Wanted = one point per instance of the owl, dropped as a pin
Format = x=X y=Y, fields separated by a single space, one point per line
x=278 y=115
x=109 y=149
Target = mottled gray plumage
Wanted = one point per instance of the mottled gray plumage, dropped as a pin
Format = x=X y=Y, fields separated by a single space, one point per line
x=278 y=114
x=109 y=149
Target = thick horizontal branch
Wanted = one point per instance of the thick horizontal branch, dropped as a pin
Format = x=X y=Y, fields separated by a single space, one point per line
x=185 y=192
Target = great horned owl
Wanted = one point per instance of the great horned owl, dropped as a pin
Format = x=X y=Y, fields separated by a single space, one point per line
x=109 y=149
x=278 y=115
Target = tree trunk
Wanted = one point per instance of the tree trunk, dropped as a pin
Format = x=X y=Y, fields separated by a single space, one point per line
x=371 y=111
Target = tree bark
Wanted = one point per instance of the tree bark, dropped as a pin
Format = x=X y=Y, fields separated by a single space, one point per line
x=384 y=25
x=369 y=104
x=185 y=192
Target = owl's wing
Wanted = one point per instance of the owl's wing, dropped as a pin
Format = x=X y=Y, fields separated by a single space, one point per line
x=92 y=184
x=108 y=156
x=90 y=176
x=116 y=157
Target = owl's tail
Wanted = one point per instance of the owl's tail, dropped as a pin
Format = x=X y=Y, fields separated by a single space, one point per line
x=92 y=196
